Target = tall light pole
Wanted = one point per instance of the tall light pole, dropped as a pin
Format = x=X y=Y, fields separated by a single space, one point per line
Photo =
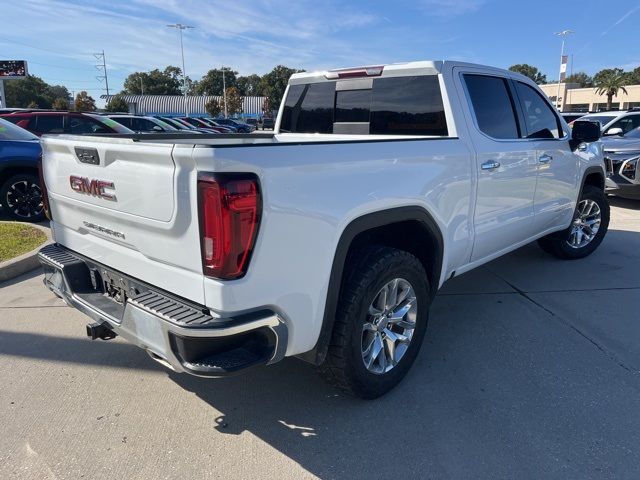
x=180 y=27
x=562 y=35
x=224 y=93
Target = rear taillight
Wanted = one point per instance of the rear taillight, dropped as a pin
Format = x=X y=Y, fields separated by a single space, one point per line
x=229 y=208
x=43 y=190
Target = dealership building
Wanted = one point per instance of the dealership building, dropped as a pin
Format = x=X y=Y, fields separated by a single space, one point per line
x=573 y=98
x=175 y=104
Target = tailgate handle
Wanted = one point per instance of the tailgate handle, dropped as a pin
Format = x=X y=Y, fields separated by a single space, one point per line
x=87 y=155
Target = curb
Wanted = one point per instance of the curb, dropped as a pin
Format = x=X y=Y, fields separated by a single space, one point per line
x=27 y=261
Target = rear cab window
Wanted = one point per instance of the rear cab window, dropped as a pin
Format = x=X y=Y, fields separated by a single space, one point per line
x=406 y=105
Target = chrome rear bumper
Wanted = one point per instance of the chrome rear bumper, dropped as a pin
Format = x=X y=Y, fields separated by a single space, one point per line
x=182 y=336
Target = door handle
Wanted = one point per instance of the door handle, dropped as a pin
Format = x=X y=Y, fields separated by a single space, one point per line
x=544 y=159
x=490 y=165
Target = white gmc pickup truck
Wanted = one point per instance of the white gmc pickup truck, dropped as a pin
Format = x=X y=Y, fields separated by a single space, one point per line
x=327 y=239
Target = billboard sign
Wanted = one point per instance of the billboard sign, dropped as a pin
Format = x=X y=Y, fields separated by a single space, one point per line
x=13 y=69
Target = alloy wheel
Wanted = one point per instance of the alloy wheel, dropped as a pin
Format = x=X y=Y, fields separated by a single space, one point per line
x=389 y=328
x=24 y=199
x=585 y=225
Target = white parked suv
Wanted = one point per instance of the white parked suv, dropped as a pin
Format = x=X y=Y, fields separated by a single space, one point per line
x=615 y=122
x=328 y=238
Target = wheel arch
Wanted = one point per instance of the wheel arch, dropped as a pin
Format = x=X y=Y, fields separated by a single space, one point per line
x=593 y=176
x=9 y=169
x=422 y=238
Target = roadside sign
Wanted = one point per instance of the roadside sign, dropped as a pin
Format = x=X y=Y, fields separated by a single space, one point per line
x=13 y=69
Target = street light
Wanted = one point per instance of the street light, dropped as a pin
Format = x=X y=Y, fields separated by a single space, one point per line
x=180 y=28
x=562 y=35
x=224 y=92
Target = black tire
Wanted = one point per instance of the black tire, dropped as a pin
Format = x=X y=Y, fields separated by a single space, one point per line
x=557 y=244
x=369 y=270
x=21 y=198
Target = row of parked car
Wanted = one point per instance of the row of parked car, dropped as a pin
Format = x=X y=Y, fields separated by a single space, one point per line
x=621 y=144
x=20 y=194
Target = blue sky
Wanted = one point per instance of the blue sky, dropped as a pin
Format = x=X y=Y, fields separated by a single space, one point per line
x=58 y=37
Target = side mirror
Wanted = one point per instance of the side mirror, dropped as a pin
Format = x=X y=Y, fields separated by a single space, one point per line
x=584 y=131
x=614 y=131
x=157 y=128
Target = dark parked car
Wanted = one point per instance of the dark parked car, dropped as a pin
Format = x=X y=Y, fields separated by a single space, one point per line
x=20 y=193
x=239 y=126
x=196 y=122
x=268 y=123
x=174 y=122
x=76 y=123
x=144 y=124
x=213 y=124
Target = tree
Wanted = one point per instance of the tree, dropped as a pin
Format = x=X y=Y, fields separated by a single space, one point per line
x=84 y=102
x=211 y=83
x=609 y=82
x=213 y=107
x=234 y=101
x=633 y=77
x=275 y=82
x=117 y=104
x=21 y=93
x=529 y=71
x=58 y=91
x=581 y=78
x=250 y=85
x=60 y=104
x=33 y=104
x=155 y=82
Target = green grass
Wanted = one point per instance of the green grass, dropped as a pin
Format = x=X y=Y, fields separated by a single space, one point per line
x=17 y=238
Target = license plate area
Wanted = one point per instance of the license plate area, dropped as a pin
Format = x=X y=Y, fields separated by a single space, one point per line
x=115 y=287
x=108 y=290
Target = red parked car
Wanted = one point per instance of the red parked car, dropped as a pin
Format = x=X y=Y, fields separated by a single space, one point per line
x=76 y=123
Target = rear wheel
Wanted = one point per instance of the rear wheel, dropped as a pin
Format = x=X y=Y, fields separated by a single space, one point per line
x=21 y=198
x=380 y=323
x=587 y=230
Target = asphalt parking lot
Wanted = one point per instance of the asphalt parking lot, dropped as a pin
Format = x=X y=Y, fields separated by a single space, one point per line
x=530 y=370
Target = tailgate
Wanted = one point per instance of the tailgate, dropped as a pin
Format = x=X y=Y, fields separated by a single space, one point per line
x=116 y=201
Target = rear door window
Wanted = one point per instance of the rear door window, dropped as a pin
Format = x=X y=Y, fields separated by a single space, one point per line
x=539 y=119
x=143 y=125
x=49 y=124
x=493 y=106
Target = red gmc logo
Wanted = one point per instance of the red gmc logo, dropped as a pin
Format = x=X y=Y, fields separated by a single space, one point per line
x=92 y=187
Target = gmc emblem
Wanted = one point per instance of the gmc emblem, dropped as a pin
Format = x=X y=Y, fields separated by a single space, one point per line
x=92 y=187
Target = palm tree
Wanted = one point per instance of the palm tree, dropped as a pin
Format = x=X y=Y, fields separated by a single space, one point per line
x=609 y=82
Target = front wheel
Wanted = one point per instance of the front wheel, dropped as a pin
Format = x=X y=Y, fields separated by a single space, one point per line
x=587 y=230
x=21 y=198
x=380 y=323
